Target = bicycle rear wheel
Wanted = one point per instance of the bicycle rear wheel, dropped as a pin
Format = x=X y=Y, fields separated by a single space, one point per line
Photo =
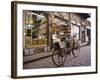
x=58 y=59
x=76 y=49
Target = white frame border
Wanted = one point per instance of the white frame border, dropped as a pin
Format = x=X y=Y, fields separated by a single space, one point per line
x=35 y=72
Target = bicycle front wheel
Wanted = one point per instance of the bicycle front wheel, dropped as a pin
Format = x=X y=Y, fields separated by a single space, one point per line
x=58 y=59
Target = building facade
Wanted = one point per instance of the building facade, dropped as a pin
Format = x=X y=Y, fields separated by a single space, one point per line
x=42 y=29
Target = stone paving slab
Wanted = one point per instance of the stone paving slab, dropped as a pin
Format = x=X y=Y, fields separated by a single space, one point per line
x=84 y=59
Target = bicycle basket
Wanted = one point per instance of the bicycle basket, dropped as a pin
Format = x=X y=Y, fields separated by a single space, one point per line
x=56 y=46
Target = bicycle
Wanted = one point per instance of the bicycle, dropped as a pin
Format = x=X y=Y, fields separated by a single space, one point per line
x=60 y=54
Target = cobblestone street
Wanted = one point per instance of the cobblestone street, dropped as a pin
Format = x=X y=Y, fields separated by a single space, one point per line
x=84 y=59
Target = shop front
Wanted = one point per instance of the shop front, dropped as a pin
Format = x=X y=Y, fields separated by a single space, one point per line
x=43 y=29
x=35 y=31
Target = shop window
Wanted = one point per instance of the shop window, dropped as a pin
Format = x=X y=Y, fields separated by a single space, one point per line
x=35 y=29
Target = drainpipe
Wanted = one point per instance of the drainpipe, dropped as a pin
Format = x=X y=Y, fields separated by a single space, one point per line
x=49 y=31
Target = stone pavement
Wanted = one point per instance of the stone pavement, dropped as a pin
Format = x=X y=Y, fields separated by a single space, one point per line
x=84 y=59
x=35 y=57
